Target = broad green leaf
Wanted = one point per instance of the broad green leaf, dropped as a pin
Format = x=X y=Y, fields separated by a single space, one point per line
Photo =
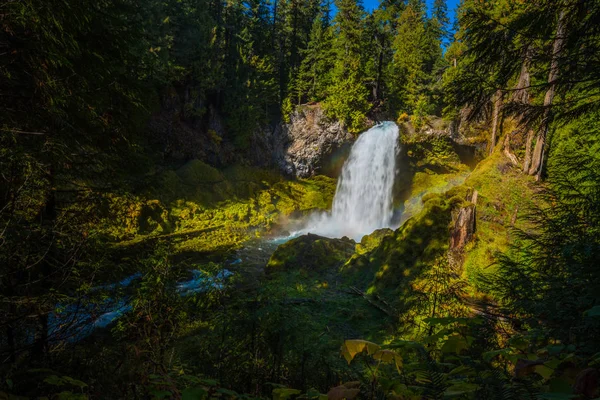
x=388 y=357
x=460 y=389
x=462 y=370
x=284 y=393
x=519 y=342
x=351 y=348
x=544 y=371
x=455 y=344
x=196 y=393
x=555 y=349
x=74 y=382
x=55 y=380
x=227 y=392
x=489 y=355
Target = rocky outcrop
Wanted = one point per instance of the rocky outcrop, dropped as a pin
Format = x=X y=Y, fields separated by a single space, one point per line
x=302 y=147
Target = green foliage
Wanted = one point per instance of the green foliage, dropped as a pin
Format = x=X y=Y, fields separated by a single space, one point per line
x=310 y=253
x=348 y=101
x=347 y=95
x=314 y=76
x=417 y=56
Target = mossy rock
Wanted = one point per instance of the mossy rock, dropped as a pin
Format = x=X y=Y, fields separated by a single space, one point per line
x=389 y=268
x=153 y=218
x=311 y=253
x=369 y=242
x=196 y=172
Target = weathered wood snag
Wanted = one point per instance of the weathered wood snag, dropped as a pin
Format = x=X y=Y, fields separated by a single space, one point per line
x=464 y=223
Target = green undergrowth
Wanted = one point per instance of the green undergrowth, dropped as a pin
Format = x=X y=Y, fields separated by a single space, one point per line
x=380 y=271
x=434 y=166
x=400 y=258
x=202 y=209
x=505 y=195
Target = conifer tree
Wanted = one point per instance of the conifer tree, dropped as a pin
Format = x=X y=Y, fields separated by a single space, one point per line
x=347 y=94
x=313 y=79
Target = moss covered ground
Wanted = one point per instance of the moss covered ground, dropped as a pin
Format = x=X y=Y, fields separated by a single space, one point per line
x=505 y=196
x=202 y=209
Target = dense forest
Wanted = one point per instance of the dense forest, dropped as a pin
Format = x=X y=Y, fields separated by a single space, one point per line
x=159 y=159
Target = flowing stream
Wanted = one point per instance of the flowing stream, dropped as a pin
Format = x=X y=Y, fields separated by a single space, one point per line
x=363 y=200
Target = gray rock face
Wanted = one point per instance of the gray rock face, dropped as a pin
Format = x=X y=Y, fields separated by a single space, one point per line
x=301 y=147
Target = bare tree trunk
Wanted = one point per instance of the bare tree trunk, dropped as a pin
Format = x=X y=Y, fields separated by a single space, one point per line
x=527 y=161
x=508 y=153
x=497 y=108
x=521 y=93
x=538 y=151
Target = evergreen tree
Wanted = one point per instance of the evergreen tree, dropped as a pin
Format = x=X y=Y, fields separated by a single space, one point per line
x=313 y=79
x=347 y=94
x=417 y=64
x=440 y=13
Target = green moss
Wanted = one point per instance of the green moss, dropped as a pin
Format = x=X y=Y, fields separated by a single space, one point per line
x=504 y=193
x=427 y=185
x=195 y=172
x=369 y=242
x=202 y=209
x=389 y=269
x=311 y=253
x=431 y=152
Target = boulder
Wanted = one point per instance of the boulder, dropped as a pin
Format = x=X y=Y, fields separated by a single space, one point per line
x=371 y=241
x=311 y=253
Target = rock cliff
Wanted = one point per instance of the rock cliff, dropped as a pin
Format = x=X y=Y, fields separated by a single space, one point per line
x=302 y=147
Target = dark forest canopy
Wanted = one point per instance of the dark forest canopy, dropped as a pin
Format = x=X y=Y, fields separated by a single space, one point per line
x=89 y=196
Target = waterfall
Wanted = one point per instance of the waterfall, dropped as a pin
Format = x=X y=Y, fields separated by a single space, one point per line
x=363 y=198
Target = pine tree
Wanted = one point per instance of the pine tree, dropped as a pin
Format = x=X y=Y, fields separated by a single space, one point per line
x=440 y=13
x=313 y=78
x=347 y=94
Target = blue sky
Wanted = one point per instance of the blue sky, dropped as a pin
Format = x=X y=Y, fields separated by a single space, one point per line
x=452 y=4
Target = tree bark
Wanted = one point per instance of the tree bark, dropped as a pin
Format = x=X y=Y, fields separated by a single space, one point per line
x=540 y=145
x=508 y=153
x=521 y=94
x=527 y=161
x=497 y=108
x=465 y=223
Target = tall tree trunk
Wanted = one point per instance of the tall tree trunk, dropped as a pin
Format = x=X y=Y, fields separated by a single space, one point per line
x=521 y=94
x=538 y=151
x=527 y=161
x=497 y=109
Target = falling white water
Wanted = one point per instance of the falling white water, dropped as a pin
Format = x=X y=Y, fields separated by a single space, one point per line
x=363 y=198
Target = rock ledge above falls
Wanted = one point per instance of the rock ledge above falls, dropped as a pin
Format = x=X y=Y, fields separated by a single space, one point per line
x=302 y=147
